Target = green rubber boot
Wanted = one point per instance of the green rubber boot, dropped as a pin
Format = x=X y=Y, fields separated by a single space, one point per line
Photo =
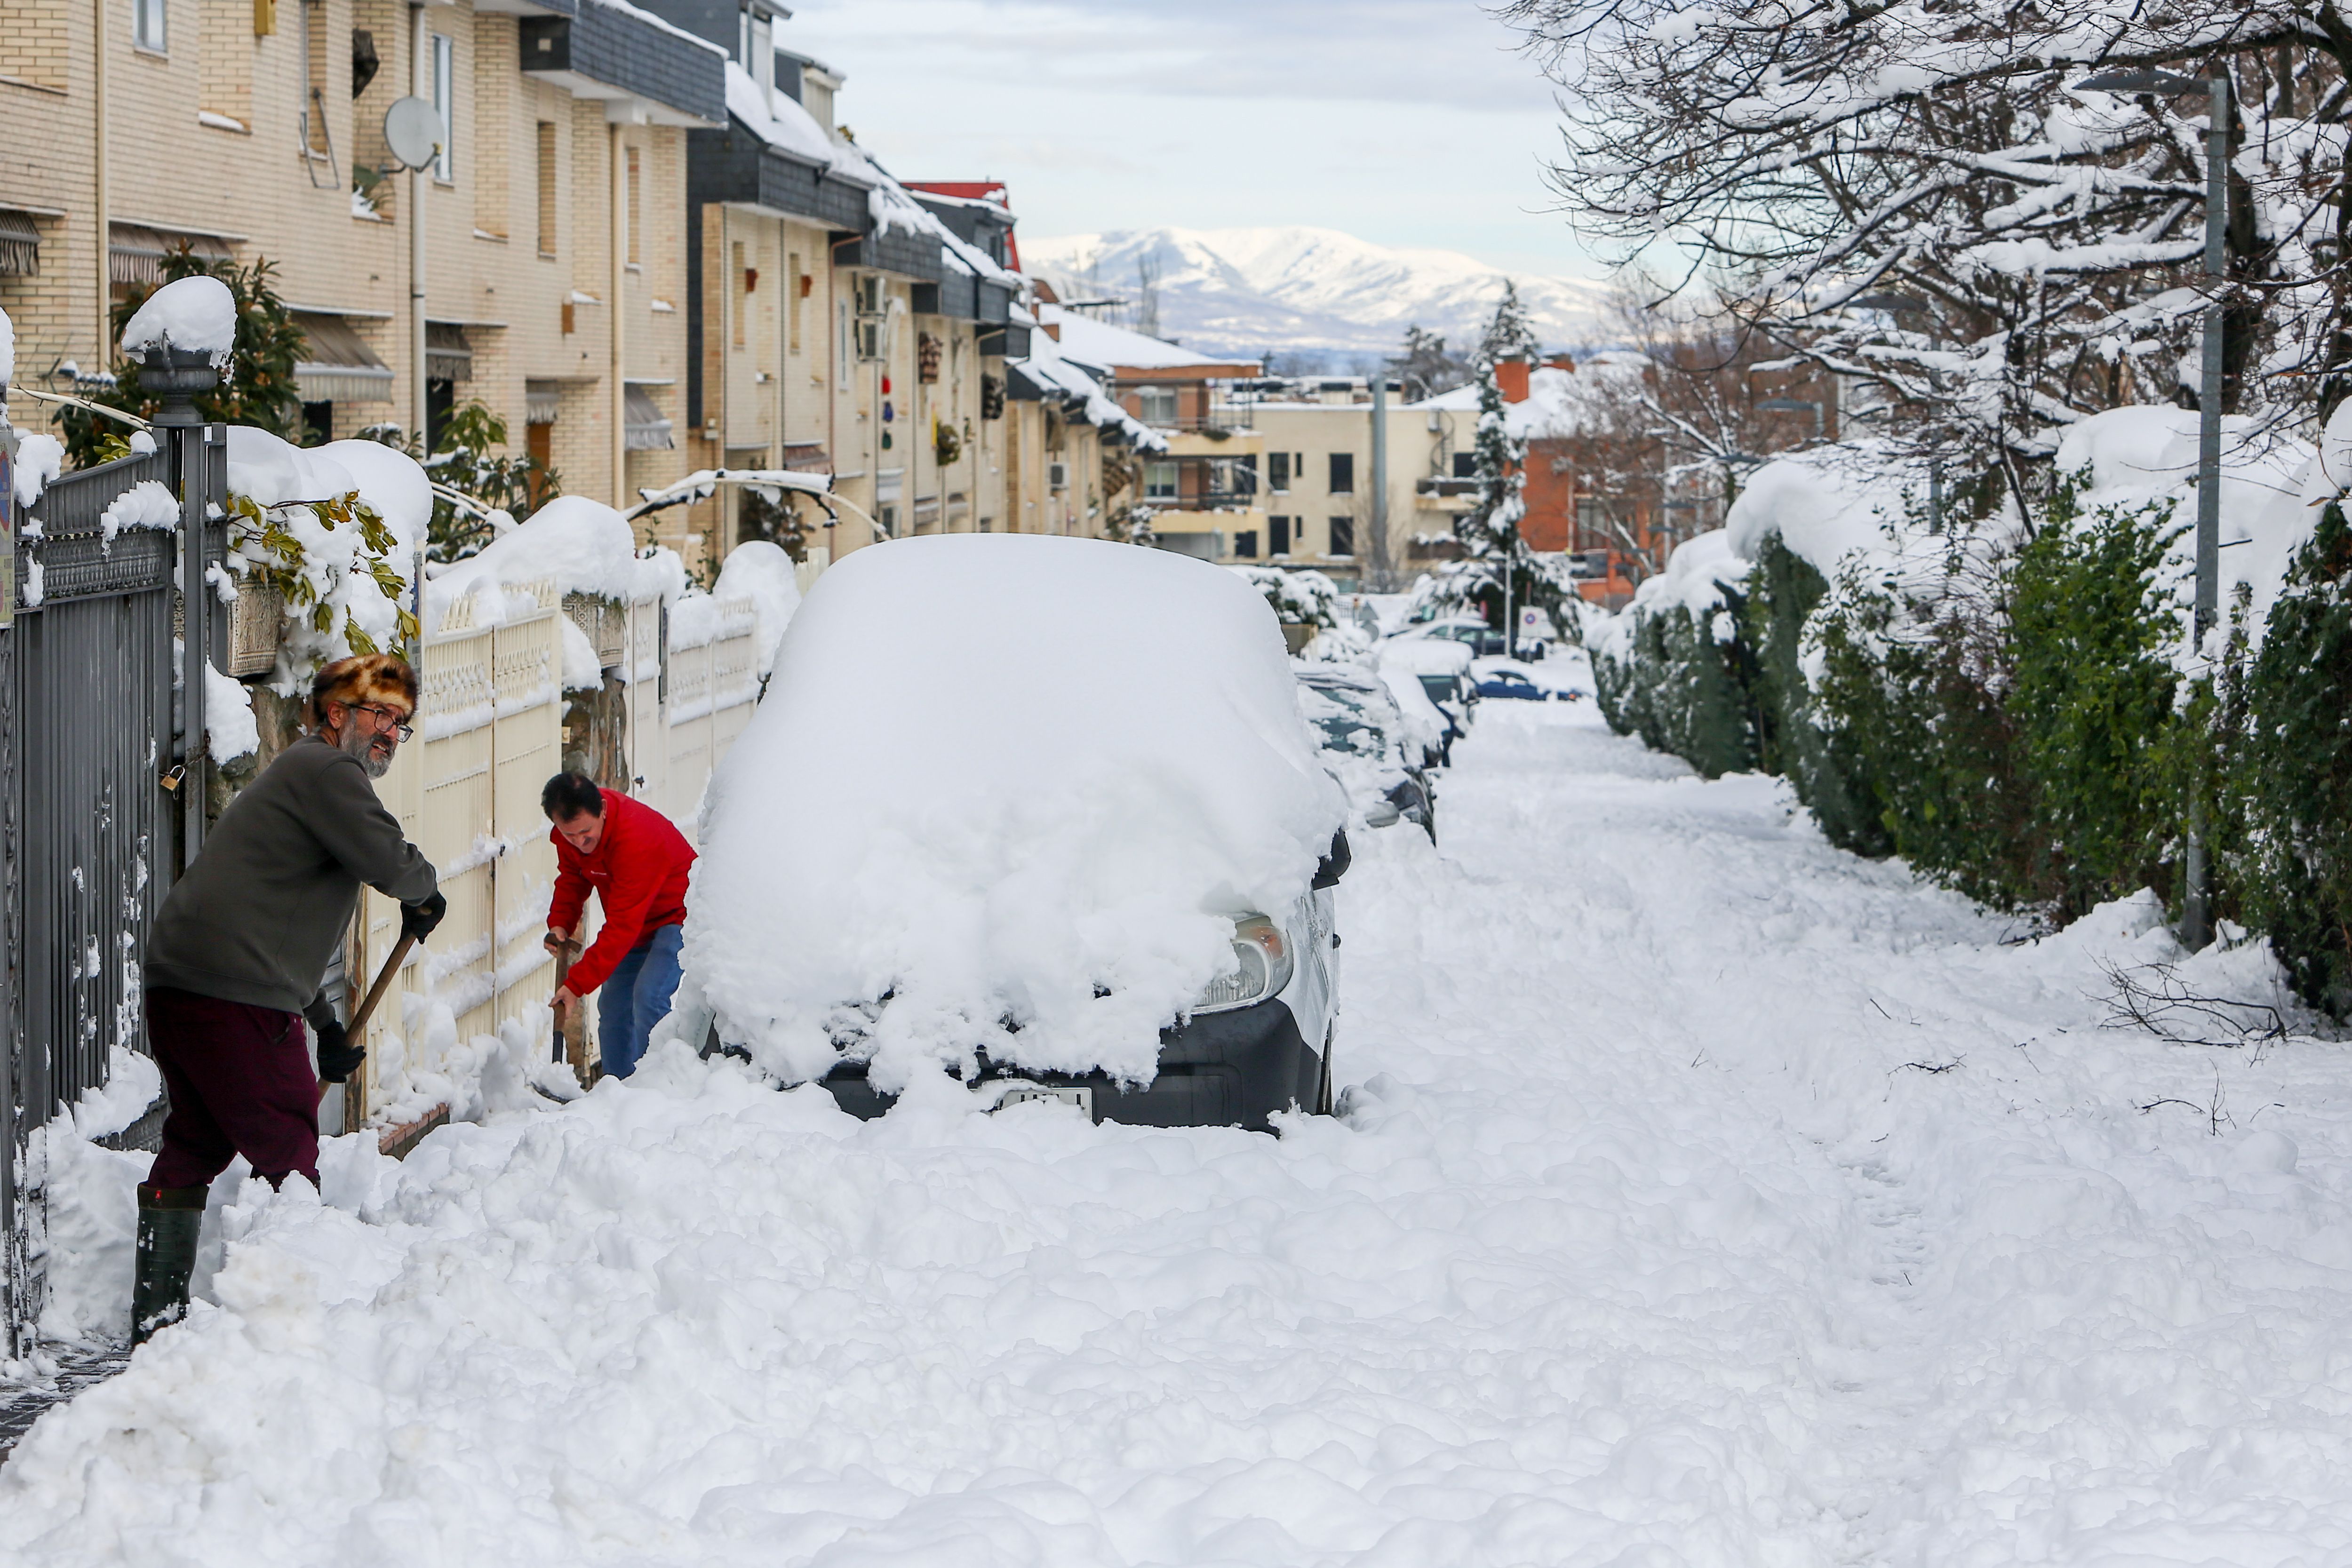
x=169 y=1218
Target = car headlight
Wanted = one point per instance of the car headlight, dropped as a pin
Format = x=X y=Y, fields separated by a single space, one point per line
x=1261 y=967
x=1381 y=815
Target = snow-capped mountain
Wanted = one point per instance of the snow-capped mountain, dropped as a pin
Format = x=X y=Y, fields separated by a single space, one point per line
x=1258 y=290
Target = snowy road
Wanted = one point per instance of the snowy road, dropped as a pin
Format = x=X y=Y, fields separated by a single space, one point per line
x=1702 y=1196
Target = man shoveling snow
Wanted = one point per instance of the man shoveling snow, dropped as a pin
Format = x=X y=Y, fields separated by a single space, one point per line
x=240 y=950
x=637 y=862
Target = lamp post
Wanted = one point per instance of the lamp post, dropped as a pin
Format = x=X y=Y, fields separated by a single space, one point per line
x=176 y=376
x=2196 y=903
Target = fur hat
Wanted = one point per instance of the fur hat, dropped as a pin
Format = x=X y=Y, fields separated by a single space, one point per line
x=369 y=678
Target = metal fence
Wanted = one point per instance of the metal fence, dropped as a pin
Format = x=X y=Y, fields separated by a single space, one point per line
x=89 y=829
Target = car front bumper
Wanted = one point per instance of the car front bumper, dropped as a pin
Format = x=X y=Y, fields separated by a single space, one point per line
x=1219 y=1069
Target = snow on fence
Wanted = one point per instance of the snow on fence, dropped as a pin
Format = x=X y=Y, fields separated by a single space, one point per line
x=470 y=1011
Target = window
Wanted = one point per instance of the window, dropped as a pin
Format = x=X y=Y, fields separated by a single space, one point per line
x=1465 y=465
x=795 y=289
x=1278 y=477
x=1245 y=543
x=1277 y=529
x=1157 y=405
x=547 y=187
x=445 y=103
x=147 y=25
x=636 y=208
x=1343 y=473
x=1159 y=481
x=1343 y=536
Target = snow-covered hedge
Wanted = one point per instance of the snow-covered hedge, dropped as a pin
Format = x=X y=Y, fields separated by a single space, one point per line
x=2015 y=704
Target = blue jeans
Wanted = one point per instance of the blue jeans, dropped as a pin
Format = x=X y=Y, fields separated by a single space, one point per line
x=634 y=999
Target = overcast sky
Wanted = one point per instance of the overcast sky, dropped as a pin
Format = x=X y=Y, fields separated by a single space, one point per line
x=1402 y=121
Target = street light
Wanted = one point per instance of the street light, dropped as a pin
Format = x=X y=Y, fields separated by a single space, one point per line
x=1908 y=304
x=2195 y=908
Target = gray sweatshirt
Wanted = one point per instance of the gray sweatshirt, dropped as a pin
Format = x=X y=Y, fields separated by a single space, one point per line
x=256 y=918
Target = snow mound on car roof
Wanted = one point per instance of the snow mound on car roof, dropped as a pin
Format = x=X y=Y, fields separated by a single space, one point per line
x=992 y=776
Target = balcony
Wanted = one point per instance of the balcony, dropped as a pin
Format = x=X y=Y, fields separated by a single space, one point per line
x=1444 y=488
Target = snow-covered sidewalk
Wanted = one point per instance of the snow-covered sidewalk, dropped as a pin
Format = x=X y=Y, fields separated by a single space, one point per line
x=1702 y=1196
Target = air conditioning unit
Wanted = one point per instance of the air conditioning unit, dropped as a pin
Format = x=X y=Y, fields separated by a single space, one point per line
x=1057 y=475
x=869 y=339
x=869 y=295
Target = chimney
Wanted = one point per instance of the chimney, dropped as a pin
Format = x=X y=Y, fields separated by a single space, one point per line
x=1561 y=362
x=1511 y=376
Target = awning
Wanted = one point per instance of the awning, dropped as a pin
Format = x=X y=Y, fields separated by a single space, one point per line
x=447 y=356
x=20 y=245
x=336 y=366
x=808 y=457
x=136 y=254
x=645 y=430
x=542 y=400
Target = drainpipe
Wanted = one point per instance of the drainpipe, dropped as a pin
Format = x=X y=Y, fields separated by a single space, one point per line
x=418 y=179
x=101 y=198
x=618 y=196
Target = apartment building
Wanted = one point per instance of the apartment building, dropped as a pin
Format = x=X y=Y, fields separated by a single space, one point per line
x=536 y=267
x=1325 y=472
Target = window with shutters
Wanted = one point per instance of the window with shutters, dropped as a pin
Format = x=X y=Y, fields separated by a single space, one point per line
x=1159 y=481
x=741 y=304
x=547 y=188
x=636 y=210
x=1157 y=405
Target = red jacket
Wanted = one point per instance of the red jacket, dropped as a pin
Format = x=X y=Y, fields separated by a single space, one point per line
x=639 y=873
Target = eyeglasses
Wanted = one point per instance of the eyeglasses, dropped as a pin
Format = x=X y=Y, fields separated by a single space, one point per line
x=399 y=721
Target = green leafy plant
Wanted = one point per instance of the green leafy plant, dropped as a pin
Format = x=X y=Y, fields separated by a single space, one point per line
x=266 y=550
x=466 y=457
x=258 y=388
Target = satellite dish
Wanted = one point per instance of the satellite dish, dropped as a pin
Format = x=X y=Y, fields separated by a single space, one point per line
x=412 y=129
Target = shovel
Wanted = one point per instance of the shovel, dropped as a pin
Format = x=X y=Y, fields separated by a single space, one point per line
x=366 y=1010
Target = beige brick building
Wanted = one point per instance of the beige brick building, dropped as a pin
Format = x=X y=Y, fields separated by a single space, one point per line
x=552 y=277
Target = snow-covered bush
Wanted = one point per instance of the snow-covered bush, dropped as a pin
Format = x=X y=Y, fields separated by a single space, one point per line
x=1300 y=598
x=1670 y=666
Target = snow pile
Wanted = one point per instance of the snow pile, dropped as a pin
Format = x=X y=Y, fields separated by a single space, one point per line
x=1424 y=655
x=193 y=315
x=230 y=728
x=149 y=503
x=92 y=1215
x=577 y=545
x=2271 y=485
x=762 y=573
x=289 y=482
x=1054 y=766
x=39 y=460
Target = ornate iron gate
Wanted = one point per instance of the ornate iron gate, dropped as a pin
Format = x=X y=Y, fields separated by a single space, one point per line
x=90 y=832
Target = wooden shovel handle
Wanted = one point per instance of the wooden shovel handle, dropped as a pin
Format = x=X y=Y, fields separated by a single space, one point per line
x=366 y=1010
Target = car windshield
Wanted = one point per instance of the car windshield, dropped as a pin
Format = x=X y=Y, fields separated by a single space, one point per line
x=1350 y=724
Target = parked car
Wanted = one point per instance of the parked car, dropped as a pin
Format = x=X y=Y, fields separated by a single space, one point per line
x=945 y=846
x=1365 y=746
x=1442 y=669
x=1471 y=631
x=1505 y=681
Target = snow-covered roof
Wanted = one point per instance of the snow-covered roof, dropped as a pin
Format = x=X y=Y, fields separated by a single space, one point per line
x=1094 y=342
x=784 y=125
x=1047 y=366
x=1558 y=402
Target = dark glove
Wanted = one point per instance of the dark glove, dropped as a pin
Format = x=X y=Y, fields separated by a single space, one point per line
x=418 y=920
x=337 y=1057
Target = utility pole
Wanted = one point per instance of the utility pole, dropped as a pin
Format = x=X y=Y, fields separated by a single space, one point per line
x=1379 y=542
x=2196 y=903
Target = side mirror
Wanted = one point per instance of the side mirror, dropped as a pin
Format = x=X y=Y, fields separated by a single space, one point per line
x=1335 y=864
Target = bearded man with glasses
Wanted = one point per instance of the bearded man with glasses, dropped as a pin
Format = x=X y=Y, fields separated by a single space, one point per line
x=235 y=966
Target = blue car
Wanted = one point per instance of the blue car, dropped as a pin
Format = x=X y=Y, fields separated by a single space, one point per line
x=1509 y=684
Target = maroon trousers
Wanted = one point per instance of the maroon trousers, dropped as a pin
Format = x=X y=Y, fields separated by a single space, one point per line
x=241 y=1083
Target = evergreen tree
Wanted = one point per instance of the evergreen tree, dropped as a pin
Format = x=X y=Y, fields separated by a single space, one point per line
x=1497 y=562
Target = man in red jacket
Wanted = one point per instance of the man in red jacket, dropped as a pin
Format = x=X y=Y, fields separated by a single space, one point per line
x=636 y=861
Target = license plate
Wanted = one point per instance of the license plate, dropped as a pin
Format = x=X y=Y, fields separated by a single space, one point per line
x=1079 y=1094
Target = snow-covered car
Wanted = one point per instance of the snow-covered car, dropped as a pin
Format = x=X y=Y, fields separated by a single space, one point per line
x=1467 y=630
x=1442 y=669
x=1025 y=817
x=1425 y=724
x=1497 y=679
x=1365 y=746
